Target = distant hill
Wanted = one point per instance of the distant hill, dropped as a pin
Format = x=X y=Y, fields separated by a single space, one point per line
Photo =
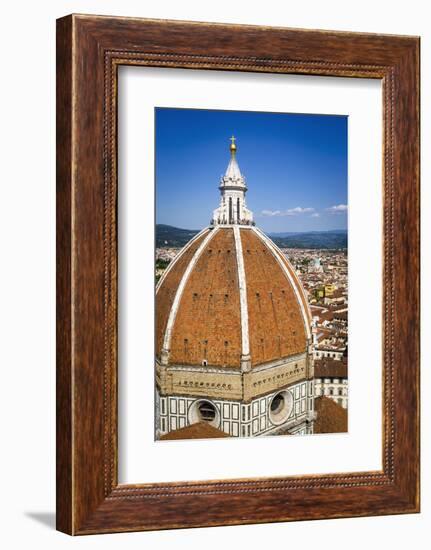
x=167 y=235
x=312 y=239
x=292 y=233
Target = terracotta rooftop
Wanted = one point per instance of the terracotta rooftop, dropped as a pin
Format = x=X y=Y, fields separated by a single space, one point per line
x=200 y=430
x=330 y=368
x=331 y=418
x=341 y=315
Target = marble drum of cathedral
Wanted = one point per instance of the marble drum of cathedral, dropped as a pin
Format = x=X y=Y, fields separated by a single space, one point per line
x=233 y=331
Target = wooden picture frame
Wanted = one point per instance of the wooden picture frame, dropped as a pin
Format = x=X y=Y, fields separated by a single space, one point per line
x=89 y=52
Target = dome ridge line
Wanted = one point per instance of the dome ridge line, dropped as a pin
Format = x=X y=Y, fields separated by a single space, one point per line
x=242 y=283
x=298 y=280
x=175 y=305
x=292 y=279
x=178 y=256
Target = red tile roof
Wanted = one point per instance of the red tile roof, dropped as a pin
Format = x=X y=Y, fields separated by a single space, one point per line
x=331 y=418
x=330 y=368
x=200 y=430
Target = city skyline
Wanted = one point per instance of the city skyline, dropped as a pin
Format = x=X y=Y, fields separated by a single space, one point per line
x=295 y=166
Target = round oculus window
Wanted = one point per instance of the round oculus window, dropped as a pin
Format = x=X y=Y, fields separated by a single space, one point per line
x=204 y=411
x=207 y=411
x=281 y=406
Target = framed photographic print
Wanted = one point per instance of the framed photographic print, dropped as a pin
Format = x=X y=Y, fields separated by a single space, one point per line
x=237 y=274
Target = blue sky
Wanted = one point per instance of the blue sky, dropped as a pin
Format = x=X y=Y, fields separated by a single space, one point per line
x=295 y=167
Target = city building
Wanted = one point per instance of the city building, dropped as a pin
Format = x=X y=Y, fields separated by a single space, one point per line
x=315 y=266
x=331 y=380
x=233 y=331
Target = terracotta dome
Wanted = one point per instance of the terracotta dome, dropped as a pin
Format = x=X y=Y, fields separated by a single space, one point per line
x=230 y=299
x=233 y=330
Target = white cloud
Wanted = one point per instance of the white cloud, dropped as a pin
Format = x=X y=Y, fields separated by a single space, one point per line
x=298 y=210
x=315 y=215
x=271 y=213
x=337 y=208
x=289 y=212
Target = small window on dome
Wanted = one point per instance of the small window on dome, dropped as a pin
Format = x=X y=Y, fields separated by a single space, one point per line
x=204 y=362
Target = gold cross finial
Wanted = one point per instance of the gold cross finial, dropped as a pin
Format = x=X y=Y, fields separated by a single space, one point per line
x=232 y=145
